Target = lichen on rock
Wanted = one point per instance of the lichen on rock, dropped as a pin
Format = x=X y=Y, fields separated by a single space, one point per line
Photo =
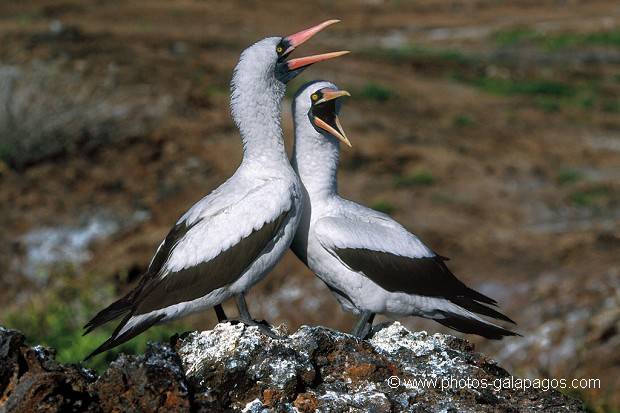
x=237 y=368
x=321 y=369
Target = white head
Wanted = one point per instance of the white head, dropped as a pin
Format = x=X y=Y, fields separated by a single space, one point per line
x=264 y=64
x=316 y=106
x=256 y=78
x=259 y=79
x=318 y=133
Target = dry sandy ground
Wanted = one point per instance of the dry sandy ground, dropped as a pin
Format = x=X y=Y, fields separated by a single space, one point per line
x=524 y=187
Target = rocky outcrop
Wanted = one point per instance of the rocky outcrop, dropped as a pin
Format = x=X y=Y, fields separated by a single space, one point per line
x=237 y=368
x=32 y=380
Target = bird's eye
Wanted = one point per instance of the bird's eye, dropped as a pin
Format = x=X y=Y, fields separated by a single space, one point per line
x=314 y=96
x=279 y=49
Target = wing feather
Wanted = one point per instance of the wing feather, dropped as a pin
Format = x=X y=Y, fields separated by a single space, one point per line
x=215 y=251
x=206 y=249
x=396 y=260
x=224 y=269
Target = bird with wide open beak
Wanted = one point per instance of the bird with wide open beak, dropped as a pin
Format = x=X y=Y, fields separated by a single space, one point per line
x=323 y=113
x=287 y=70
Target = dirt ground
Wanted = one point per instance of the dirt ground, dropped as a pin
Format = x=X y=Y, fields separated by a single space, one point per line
x=490 y=129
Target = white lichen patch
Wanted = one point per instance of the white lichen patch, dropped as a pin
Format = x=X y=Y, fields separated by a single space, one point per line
x=450 y=406
x=279 y=371
x=304 y=335
x=362 y=400
x=255 y=406
x=440 y=360
x=395 y=337
x=228 y=344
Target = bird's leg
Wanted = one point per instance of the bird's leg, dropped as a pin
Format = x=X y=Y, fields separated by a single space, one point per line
x=363 y=325
x=219 y=312
x=246 y=318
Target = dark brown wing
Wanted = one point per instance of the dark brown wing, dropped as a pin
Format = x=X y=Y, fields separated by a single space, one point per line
x=155 y=292
x=197 y=281
x=123 y=305
x=428 y=276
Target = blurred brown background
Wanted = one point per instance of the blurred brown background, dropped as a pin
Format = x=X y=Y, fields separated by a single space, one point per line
x=491 y=129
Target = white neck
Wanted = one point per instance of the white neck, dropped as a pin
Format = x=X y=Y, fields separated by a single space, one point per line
x=256 y=107
x=315 y=159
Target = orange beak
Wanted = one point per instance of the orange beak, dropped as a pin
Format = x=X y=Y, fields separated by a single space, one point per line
x=301 y=37
x=331 y=123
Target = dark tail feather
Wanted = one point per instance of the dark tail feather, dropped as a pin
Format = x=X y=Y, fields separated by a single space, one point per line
x=116 y=339
x=475 y=295
x=111 y=312
x=475 y=307
x=472 y=326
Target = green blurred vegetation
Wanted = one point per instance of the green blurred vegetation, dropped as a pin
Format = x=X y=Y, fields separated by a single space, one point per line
x=515 y=35
x=598 y=197
x=548 y=95
x=410 y=52
x=376 y=92
x=554 y=42
x=420 y=178
x=54 y=316
x=508 y=87
x=464 y=121
x=551 y=92
x=383 y=205
x=570 y=176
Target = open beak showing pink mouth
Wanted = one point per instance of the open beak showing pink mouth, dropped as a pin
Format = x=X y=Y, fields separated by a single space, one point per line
x=287 y=70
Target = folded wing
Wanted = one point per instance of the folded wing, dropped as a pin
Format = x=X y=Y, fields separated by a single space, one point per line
x=397 y=261
x=198 y=257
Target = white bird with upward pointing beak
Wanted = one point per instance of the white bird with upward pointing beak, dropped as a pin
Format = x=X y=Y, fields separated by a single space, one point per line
x=371 y=263
x=230 y=239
